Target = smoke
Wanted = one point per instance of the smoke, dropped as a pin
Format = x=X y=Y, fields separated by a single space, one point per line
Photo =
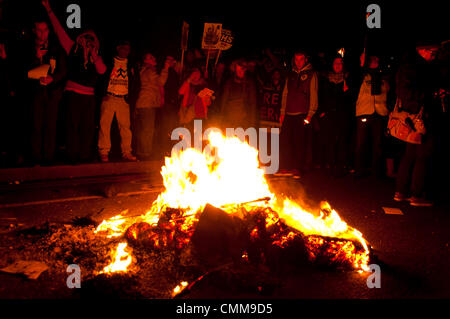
x=293 y=189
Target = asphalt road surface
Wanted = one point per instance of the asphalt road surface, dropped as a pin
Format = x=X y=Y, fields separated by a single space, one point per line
x=411 y=249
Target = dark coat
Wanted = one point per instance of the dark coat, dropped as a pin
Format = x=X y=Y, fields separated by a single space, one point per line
x=238 y=107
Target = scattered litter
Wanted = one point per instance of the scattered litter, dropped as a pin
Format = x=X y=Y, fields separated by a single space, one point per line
x=31 y=269
x=392 y=211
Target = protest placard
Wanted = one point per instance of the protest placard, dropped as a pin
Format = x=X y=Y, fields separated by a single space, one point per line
x=211 y=36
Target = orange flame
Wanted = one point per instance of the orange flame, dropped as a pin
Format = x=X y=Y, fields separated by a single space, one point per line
x=179 y=288
x=121 y=260
x=232 y=176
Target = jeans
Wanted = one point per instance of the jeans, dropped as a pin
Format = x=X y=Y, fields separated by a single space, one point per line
x=369 y=130
x=111 y=106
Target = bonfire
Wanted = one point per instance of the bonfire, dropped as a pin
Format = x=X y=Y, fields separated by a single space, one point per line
x=219 y=204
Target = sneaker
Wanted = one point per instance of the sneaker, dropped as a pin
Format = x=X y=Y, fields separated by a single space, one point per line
x=129 y=157
x=420 y=202
x=283 y=172
x=399 y=197
x=104 y=158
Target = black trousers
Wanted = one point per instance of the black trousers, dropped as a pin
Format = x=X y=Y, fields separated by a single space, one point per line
x=369 y=132
x=413 y=168
x=295 y=143
x=145 y=131
x=80 y=126
x=44 y=114
x=334 y=140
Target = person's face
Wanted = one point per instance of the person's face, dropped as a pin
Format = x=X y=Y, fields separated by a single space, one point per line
x=268 y=66
x=240 y=71
x=427 y=54
x=149 y=59
x=338 y=65
x=123 y=51
x=300 y=61
x=196 y=75
x=41 y=31
x=374 y=62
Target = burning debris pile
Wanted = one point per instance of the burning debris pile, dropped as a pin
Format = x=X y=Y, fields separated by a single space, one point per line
x=216 y=212
x=217 y=206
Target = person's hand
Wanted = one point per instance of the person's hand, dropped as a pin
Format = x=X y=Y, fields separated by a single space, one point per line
x=168 y=63
x=345 y=86
x=362 y=58
x=46 y=80
x=92 y=51
x=2 y=51
x=46 y=5
x=41 y=52
x=307 y=121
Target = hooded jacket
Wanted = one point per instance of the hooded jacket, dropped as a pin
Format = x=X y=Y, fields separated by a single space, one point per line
x=300 y=94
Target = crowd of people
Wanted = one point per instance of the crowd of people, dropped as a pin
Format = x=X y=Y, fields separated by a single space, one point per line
x=60 y=107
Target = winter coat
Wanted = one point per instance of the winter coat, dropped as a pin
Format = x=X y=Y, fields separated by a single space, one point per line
x=151 y=91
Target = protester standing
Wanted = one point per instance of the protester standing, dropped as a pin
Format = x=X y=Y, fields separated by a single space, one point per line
x=418 y=89
x=299 y=104
x=151 y=95
x=85 y=67
x=335 y=115
x=238 y=105
x=44 y=91
x=371 y=115
x=115 y=102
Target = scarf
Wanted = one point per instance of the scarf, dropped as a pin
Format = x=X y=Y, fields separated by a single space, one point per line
x=336 y=77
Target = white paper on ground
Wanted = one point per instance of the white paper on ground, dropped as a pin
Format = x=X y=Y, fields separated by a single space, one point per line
x=32 y=269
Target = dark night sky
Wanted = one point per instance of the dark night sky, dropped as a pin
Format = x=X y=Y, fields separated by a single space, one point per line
x=280 y=24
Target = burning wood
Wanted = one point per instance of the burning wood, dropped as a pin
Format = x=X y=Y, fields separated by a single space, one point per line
x=251 y=220
x=219 y=237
